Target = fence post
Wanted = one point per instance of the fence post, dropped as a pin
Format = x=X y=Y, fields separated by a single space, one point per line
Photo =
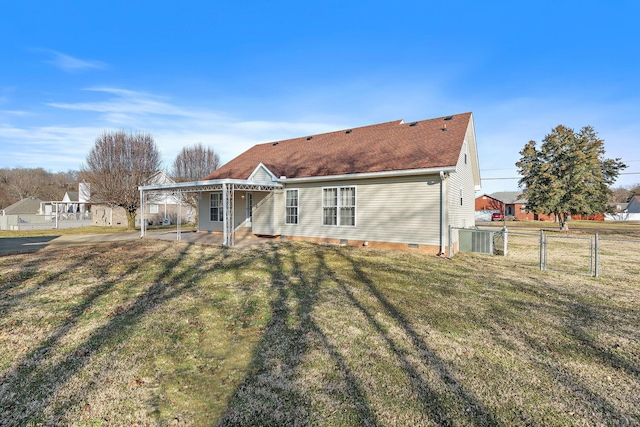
x=505 y=240
x=541 y=250
x=597 y=258
x=590 y=257
x=450 y=245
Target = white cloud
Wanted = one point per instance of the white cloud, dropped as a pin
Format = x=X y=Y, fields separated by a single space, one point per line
x=70 y=64
x=172 y=126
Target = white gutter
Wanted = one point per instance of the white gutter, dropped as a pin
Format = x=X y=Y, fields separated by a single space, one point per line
x=365 y=175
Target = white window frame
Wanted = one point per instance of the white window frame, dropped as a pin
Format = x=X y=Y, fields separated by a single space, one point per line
x=219 y=206
x=339 y=206
x=287 y=207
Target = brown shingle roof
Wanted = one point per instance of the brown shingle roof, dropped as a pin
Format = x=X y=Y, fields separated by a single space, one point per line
x=383 y=147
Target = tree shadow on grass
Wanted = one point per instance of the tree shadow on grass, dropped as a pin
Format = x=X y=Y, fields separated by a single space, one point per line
x=579 y=320
x=435 y=403
x=271 y=394
x=28 y=390
x=10 y=300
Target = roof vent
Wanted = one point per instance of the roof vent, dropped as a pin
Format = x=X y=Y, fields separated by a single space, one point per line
x=444 y=128
x=348 y=131
x=274 y=144
x=413 y=124
x=449 y=118
x=309 y=138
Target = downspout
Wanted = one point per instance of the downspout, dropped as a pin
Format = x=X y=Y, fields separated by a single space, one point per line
x=442 y=176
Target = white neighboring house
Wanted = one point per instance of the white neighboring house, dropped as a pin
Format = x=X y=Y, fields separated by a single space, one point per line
x=634 y=205
x=630 y=213
x=161 y=209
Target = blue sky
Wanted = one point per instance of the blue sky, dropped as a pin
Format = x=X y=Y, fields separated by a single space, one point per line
x=233 y=74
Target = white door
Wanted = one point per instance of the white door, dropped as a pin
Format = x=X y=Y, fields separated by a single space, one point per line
x=249 y=213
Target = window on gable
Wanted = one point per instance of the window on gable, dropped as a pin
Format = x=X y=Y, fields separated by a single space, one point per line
x=215 y=207
x=291 y=207
x=339 y=206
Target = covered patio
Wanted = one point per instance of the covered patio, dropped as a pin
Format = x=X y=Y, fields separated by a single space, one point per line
x=227 y=187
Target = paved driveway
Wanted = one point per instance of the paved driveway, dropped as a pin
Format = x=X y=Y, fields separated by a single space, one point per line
x=33 y=244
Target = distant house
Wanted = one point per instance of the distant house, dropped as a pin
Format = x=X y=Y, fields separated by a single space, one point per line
x=19 y=212
x=618 y=207
x=162 y=208
x=395 y=184
x=489 y=203
x=26 y=206
x=509 y=204
x=634 y=205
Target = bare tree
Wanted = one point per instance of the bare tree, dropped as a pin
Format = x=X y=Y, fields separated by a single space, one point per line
x=192 y=164
x=619 y=195
x=117 y=164
x=22 y=183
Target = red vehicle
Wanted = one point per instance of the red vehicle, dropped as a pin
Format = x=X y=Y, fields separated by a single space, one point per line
x=497 y=216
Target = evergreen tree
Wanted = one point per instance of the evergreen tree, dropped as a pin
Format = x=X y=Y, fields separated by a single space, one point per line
x=568 y=175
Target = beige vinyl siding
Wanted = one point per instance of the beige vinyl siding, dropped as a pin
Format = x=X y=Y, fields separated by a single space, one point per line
x=239 y=210
x=263 y=216
x=204 y=214
x=397 y=210
x=462 y=179
x=261 y=175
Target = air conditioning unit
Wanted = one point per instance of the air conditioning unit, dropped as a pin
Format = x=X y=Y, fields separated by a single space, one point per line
x=478 y=241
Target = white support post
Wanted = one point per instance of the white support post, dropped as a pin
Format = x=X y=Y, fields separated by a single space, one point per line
x=228 y=192
x=225 y=237
x=142 y=221
x=178 y=216
x=505 y=240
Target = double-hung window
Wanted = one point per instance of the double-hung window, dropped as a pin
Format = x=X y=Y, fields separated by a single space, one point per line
x=339 y=206
x=215 y=207
x=291 y=207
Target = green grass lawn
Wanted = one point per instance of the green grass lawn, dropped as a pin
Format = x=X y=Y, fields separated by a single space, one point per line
x=62 y=231
x=92 y=229
x=166 y=333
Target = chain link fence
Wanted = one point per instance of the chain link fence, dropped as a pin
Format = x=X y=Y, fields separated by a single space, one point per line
x=585 y=254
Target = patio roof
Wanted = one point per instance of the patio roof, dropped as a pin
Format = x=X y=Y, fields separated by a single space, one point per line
x=212 y=185
x=226 y=186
